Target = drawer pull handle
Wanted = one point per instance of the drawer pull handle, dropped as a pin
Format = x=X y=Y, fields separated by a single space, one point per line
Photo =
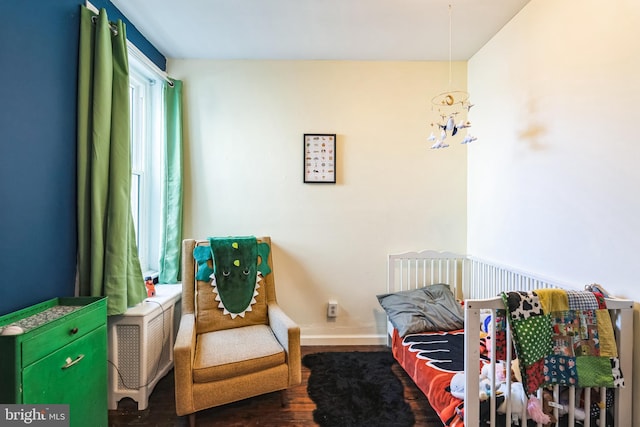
x=73 y=331
x=70 y=362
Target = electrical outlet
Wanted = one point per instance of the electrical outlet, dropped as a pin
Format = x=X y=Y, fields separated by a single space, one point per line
x=332 y=309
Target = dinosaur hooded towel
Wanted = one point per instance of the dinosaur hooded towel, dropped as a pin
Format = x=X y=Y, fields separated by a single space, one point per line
x=238 y=265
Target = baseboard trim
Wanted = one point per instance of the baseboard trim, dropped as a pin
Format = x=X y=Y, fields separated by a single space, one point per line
x=311 y=340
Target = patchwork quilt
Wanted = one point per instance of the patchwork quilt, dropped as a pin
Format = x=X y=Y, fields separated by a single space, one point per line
x=563 y=337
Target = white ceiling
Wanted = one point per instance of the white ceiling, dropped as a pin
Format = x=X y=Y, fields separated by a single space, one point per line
x=319 y=29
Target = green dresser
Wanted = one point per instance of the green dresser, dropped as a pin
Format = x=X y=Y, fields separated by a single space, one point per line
x=59 y=358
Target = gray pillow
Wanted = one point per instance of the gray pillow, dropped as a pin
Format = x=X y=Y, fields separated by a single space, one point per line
x=428 y=309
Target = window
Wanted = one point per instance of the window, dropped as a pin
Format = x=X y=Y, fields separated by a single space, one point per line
x=147 y=124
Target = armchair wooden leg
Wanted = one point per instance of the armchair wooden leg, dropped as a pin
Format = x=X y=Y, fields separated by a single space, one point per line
x=192 y=420
x=284 y=397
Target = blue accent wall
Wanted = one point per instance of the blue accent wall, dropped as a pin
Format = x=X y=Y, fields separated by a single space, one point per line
x=38 y=79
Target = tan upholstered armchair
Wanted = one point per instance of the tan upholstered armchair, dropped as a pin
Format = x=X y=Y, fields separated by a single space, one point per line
x=220 y=358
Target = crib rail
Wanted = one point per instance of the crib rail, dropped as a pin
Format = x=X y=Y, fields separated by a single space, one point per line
x=484 y=279
x=412 y=270
x=621 y=312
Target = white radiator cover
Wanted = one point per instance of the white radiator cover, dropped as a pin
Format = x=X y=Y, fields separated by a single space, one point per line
x=141 y=345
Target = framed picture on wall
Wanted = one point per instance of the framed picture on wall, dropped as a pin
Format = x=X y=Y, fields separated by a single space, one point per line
x=319 y=158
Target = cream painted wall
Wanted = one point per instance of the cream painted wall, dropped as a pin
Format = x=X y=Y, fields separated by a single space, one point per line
x=245 y=123
x=553 y=181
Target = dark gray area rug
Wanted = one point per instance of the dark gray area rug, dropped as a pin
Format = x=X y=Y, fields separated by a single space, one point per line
x=356 y=389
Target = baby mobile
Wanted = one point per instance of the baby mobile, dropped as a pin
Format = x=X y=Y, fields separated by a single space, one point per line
x=450 y=107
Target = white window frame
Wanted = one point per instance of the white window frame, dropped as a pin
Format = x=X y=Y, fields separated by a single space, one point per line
x=147 y=136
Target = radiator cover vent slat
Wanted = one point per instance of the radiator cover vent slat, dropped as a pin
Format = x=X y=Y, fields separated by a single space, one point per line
x=128 y=356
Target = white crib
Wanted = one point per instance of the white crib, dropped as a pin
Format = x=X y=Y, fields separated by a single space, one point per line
x=479 y=284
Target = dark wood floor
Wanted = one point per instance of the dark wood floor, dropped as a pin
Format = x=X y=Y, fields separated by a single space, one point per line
x=263 y=410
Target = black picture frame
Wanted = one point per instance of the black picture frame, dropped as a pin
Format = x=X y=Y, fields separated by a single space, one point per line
x=319 y=158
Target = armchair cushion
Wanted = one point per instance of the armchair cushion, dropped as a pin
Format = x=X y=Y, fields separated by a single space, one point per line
x=225 y=353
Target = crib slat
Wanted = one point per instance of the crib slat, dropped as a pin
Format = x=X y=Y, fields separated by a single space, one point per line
x=587 y=404
x=471 y=356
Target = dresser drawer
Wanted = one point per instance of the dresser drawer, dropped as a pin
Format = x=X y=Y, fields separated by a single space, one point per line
x=75 y=375
x=58 y=336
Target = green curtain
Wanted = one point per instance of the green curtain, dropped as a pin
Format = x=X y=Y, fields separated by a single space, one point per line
x=171 y=234
x=108 y=263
